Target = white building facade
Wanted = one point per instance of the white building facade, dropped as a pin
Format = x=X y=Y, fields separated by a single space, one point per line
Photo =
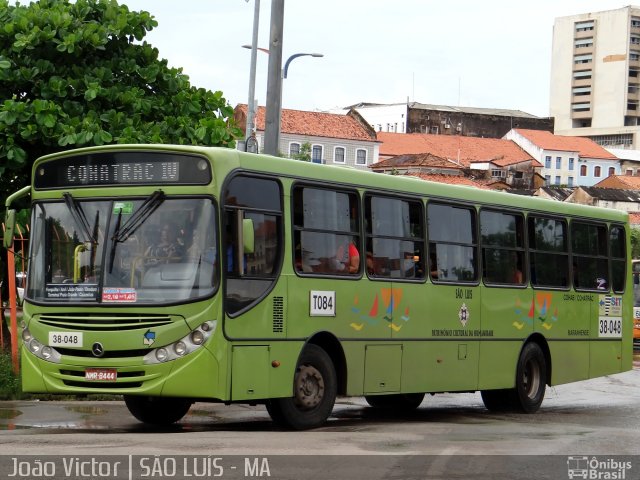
x=595 y=77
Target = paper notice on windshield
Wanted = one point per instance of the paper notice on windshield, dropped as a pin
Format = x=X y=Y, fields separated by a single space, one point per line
x=68 y=291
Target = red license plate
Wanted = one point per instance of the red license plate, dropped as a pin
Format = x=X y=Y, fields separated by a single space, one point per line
x=100 y=374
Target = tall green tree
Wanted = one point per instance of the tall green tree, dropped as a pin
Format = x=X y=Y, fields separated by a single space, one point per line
x=79 y=74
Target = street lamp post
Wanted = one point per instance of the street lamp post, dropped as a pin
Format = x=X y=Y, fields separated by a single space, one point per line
x=275 y=136
x=251 y=105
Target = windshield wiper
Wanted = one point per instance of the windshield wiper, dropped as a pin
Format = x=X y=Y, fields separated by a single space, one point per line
x=79 y=217
x=122 y=232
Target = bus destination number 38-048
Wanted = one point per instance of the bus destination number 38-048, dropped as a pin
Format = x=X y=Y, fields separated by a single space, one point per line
x=322 y=303
x=610 y=327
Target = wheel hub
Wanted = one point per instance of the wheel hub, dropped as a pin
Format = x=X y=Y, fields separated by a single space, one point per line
x=309 y=385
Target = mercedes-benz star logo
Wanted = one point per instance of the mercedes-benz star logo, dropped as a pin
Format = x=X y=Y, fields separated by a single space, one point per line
x=97 y=349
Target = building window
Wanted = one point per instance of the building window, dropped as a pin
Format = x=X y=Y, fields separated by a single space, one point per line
x=570 y=181
x=557 y=179
x=361 y=156
x=596 y=171
x=634 y=55
x=316 y=154
x=547 y=161
x=583 y=170
x=581 y=107
x=582 y=75
x=571 y=160
x=629 y=172
x=583 y=42
x=498 y=173
x=581 y=91
x=584 y=26
x=547 y=180
x=635 y=40
x=558 y=163
x=586 y=58
x=294 y=149
x=638 y=172
x=612 y=171
x=338 y=155
x=635 y=22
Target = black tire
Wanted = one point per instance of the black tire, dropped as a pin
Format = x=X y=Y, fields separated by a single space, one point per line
x=314 y=392
x=157 y=410
x=531 y=379
x=396 y=401
x=497 y=400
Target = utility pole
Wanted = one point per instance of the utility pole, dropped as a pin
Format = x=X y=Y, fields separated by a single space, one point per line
x=274 y=81
x=251 y=104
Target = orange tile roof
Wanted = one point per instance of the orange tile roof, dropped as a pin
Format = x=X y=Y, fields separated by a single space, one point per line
x=634 y=218
x=465 y=149
x=315 y=124
x=620 y=181
x=415 y=160
x=450 y=179
x=584 y=146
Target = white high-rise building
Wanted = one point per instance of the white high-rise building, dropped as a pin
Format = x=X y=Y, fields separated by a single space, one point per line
x=595 y=77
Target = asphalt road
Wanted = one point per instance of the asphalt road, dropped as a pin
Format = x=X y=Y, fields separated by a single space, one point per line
x=580 y=425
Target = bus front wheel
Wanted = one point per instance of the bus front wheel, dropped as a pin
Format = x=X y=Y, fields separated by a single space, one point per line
x=157 y=410
x=314 y=392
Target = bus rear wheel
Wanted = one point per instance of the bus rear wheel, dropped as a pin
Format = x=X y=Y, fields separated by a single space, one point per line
x=399 y=401
x=497 y=400
x=531 y=379
x=314 y=392
x=157 y=410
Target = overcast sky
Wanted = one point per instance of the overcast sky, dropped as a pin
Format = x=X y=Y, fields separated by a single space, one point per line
x=493 y=53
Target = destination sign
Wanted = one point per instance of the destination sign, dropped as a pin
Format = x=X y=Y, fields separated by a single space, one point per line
x=123 y=168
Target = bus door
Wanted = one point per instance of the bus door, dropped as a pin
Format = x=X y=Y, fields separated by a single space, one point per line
x=508 y=306
x=251 y=256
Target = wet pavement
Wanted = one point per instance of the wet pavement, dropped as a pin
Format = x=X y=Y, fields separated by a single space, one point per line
x=594 y=416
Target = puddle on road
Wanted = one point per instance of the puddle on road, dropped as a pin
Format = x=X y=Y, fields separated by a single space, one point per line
x=87 y=409
x=6 y=413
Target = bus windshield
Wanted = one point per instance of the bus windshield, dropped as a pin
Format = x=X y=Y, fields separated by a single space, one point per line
x=140 y=250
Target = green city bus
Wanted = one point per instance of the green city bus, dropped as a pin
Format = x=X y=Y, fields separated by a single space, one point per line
x=179 y=274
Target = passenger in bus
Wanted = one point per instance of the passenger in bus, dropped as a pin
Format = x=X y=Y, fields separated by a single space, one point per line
x=347 y=259
x=433 y=266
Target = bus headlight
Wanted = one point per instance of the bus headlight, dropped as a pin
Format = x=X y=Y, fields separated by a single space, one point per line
x=197 y=337
x=182 y=347
x=45 y=352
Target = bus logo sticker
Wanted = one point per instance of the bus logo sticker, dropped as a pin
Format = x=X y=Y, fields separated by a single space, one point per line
x=610 y=306
x=149 y=338
x=384 y=303
x=463 y=315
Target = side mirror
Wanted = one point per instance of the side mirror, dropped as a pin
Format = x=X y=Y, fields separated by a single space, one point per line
x=248 y=235
x=9 y=228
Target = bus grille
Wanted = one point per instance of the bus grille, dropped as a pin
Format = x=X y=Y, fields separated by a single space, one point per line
x=98 y=322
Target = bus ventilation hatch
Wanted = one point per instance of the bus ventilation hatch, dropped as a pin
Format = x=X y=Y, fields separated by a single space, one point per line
x=101 y=322
x=278 y=314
